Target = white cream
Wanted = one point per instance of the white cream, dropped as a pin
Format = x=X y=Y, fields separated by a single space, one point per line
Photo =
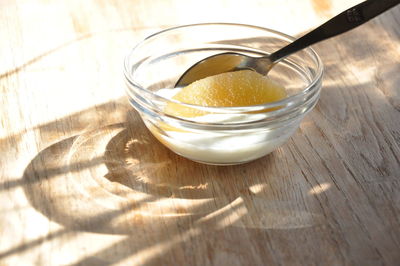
x=221 y=147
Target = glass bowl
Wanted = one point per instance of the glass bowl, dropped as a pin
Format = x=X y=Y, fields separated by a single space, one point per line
x=225 y=135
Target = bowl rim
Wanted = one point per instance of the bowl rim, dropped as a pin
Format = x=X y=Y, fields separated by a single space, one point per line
x=234 y=109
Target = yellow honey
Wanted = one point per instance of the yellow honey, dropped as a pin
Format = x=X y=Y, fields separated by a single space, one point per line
x=230 y=89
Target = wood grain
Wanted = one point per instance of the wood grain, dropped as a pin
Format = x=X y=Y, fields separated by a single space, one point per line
x=84 y=183
x=322 y=7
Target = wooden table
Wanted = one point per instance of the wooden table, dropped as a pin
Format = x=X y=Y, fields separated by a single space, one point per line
x=84 y=183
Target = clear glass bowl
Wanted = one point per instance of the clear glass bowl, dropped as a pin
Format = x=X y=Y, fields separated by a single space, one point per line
x=226 y=135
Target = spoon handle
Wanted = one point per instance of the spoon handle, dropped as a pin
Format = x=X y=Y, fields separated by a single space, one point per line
x=345 y=21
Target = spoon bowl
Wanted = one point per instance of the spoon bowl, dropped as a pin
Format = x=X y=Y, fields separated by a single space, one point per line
x=225 y=62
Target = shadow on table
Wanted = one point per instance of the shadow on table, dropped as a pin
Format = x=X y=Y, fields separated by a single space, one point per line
x=120 y=180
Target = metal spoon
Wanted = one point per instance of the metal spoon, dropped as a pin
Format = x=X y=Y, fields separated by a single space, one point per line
x=230 y=61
